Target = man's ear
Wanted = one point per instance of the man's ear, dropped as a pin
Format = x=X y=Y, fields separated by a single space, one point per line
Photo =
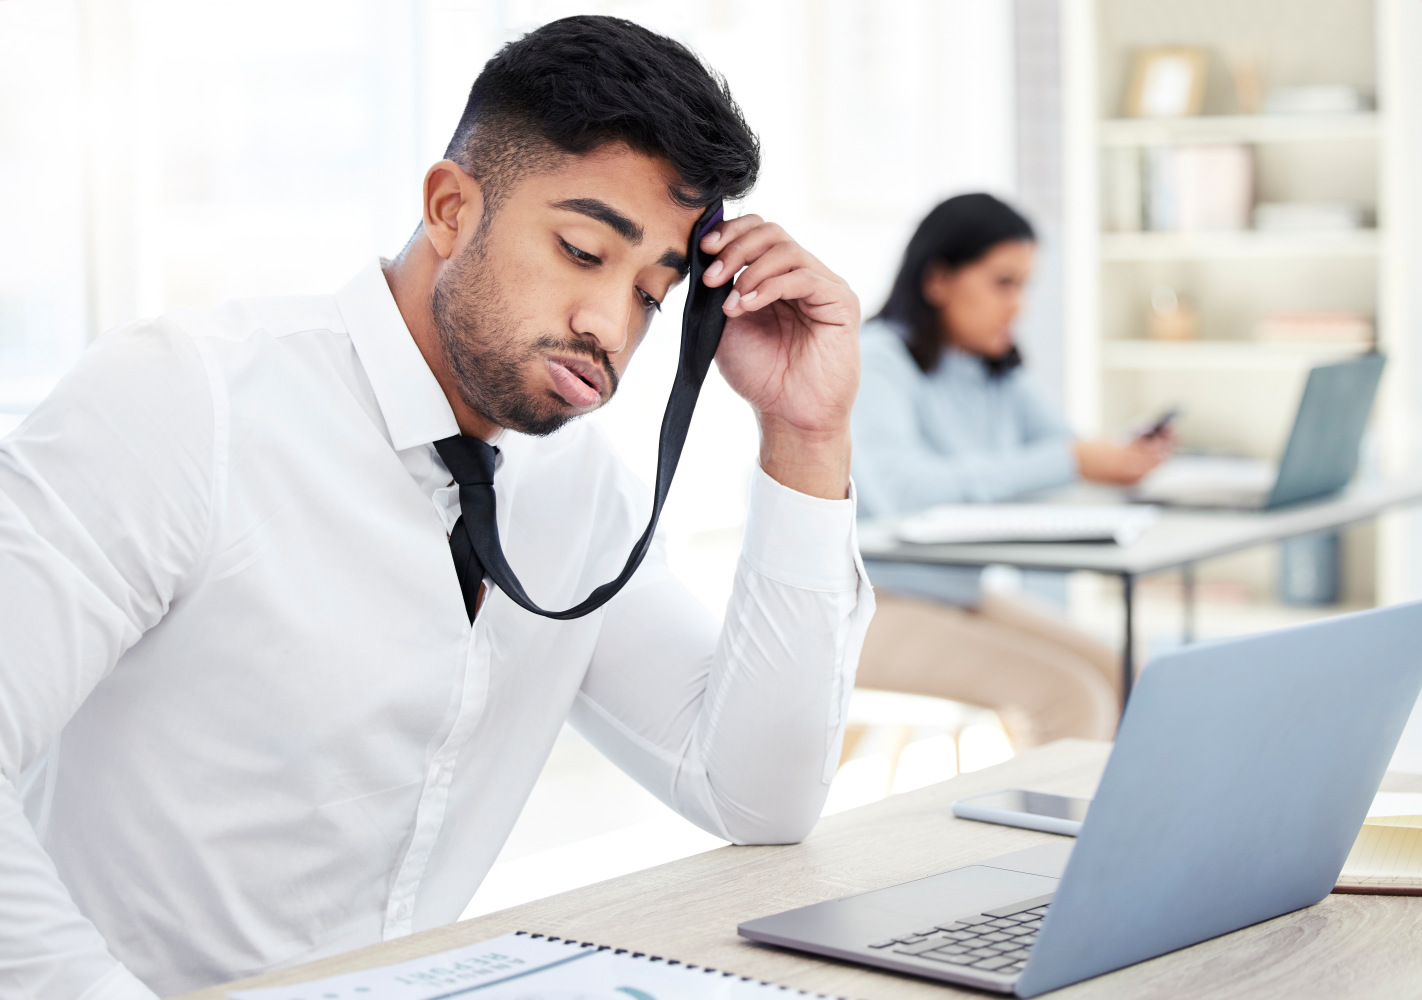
x=454 y=205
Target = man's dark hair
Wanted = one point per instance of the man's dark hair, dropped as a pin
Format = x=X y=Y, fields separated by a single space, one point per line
x=579 y=83
x=959 y=231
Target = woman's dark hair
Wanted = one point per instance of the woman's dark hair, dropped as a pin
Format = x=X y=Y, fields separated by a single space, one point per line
x=579 y=83
x=959 y=231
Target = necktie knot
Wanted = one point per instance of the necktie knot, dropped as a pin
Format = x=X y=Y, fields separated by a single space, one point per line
x=469 y=460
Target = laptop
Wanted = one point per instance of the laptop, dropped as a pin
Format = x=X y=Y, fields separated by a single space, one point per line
x=1241 y=774
x=1320 y=458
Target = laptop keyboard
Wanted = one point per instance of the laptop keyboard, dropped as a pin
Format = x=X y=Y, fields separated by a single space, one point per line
x=993 y=941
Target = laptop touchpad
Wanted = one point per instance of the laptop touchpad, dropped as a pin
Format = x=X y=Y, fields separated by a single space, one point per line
x=855 y=921
x=958 y=893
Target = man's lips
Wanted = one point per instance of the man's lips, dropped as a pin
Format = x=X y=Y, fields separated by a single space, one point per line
x=581 y=383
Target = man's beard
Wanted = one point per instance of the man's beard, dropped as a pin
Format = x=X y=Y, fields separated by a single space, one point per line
x=483 y=352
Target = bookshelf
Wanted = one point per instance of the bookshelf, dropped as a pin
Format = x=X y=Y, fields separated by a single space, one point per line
x=1220 y=356
x=1254 y=128
x=1245 y=243
x=1238 y=390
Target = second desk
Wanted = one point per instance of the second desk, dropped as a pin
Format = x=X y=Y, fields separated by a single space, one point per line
x=1178 y=541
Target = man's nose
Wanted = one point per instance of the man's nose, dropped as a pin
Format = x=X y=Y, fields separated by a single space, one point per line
x=603 y=319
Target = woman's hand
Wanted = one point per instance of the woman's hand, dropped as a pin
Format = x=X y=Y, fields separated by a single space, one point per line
x=1122 y=464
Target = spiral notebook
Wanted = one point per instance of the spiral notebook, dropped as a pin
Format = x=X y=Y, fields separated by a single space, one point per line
x=1387 y=856
x=526 y=966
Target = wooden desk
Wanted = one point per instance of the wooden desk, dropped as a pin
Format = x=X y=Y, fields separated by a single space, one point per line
x=1353 y=946
x=1179 y=540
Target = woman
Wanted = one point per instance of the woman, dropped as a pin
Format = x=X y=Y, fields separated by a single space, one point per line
x=946 y=414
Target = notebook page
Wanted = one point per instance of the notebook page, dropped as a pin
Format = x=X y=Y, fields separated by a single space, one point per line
x=1411 y=822
x=1396 y=809
x=528 y=967
x=1026 y=522
x=1385 y=856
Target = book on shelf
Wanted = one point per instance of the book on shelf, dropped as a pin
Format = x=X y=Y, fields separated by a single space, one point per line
x=1315 y=326
x=1317 y=99
x=1307 y=216
x=1199 y=188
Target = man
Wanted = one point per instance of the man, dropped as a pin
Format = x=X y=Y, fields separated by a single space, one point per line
x=252 y=712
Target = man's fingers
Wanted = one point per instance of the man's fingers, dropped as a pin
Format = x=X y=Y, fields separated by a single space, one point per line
x=744 y=249
x=724 y=232
x=780 y=258
x=762 y=248
x=811 y=289
x=793 y=285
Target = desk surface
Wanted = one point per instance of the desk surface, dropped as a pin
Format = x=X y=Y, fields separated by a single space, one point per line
x=1178 y=538
x=1354 y=946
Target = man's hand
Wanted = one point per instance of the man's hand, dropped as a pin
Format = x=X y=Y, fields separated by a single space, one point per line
x=791 y=349
x=1122 y=464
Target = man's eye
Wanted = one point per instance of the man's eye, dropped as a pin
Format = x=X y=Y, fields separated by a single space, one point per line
x=649 y=302
x=581 y=256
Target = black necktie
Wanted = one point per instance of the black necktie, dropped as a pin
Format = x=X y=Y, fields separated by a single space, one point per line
x=475 y=538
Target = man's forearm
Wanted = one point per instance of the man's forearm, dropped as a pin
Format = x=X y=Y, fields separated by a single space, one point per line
x=784 y=666
x=736 y=724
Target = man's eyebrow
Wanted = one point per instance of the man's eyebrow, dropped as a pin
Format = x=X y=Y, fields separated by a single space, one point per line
x=676 y=261
x=596 y=208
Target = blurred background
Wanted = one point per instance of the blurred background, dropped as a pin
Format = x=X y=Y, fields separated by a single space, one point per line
x=1225 y=193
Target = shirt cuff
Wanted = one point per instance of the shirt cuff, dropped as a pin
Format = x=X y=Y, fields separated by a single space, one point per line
x=800 y=540
x=1046 y=465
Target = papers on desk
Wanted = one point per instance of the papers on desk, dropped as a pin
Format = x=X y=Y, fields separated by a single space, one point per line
x=1387 y=856
x=529 y=967
x=1208 y=480
x=1026 y=522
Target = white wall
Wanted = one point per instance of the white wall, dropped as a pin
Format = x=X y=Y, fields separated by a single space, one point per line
x=43 y=319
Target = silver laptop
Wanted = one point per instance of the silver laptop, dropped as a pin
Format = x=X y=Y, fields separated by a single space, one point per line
x=1240 y=776
x=1320 y=458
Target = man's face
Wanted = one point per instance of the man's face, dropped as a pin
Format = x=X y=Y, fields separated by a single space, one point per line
x=540 y=310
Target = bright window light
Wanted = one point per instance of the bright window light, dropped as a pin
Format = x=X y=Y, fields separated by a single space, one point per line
x=859 y=782
x=981 y=746
x=926 y=762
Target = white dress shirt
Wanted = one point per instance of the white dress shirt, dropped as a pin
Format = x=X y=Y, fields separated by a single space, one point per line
x=244 y=720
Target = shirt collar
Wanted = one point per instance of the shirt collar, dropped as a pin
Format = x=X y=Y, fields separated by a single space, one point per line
x=414 y=406
x=955 y=358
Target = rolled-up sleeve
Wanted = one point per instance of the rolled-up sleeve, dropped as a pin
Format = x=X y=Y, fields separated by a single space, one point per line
x=738 y=727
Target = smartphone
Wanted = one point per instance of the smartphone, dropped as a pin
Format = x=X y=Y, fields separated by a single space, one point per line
x=1162 y=424
x=1029 y=810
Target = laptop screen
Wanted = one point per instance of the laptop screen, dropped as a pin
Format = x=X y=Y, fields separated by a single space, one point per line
x=1322 y=453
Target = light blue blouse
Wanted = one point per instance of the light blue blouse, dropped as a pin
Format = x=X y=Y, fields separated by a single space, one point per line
x=954 y=435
